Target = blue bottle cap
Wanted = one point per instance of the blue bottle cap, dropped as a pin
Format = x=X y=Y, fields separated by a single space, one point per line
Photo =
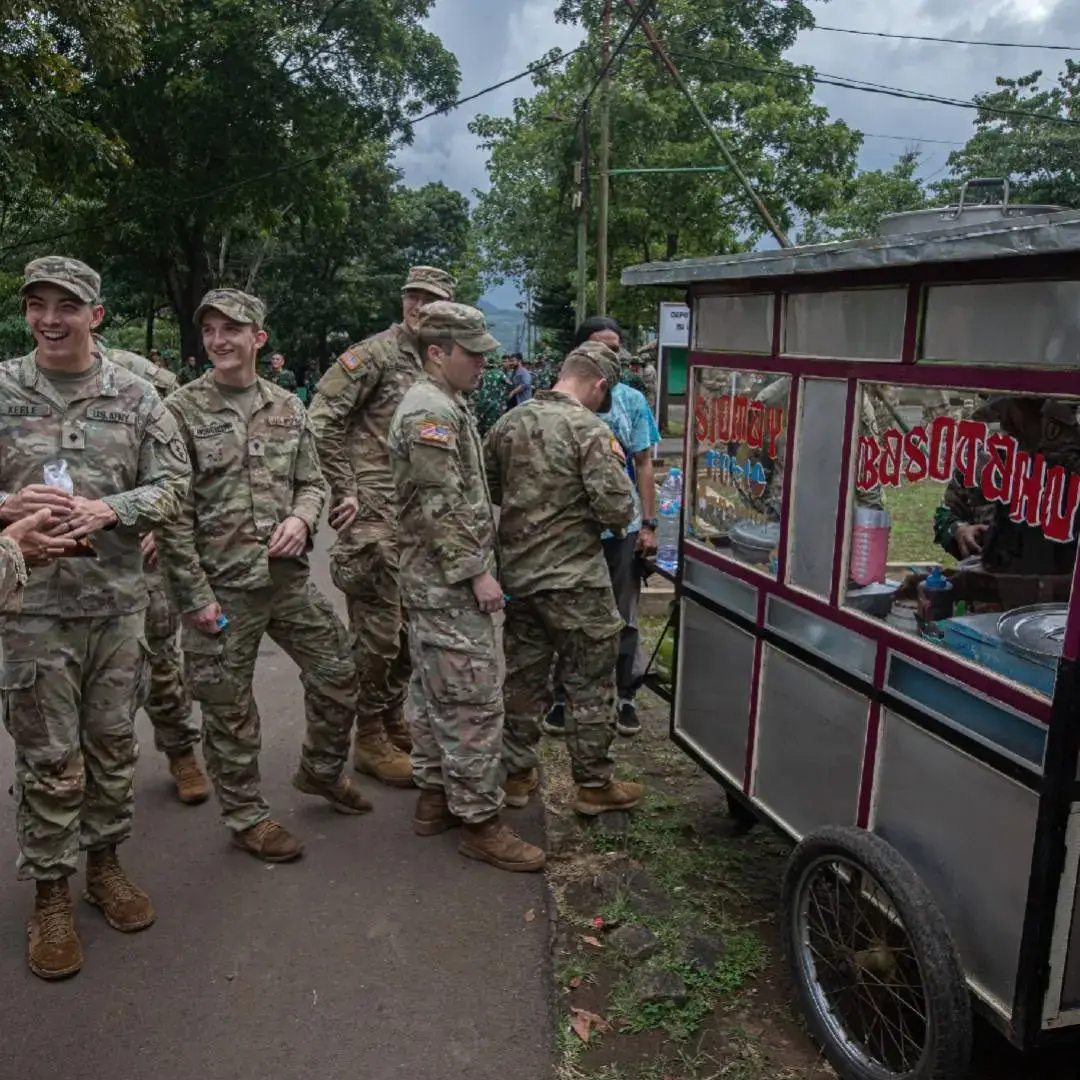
x=222 y=621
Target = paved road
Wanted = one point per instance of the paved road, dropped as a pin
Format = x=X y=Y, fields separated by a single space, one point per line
x=378 y=955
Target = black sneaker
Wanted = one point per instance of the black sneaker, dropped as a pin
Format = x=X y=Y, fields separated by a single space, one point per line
x=627 y=723
x=555 y=721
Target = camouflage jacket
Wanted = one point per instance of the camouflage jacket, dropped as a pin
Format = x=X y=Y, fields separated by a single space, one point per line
x=12 y=570
x=161 y=379
x=648 y=377
x=559 y=475
x=446 y=527
x=247 y=479
x=351 y=415
x=121 y=446
x=488 y=402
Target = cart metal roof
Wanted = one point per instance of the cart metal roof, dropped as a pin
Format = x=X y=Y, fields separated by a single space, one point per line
x=1046 y=234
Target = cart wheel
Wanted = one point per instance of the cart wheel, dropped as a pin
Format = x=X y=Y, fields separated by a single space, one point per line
x=875 y=968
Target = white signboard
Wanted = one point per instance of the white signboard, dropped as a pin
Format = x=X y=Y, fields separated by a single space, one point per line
x=674 y=326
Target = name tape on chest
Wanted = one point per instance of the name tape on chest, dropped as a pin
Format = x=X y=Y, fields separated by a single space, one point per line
x=210 y=431
x=111 y=416
x=18 y=409
x=433 y=433
x=283 y=421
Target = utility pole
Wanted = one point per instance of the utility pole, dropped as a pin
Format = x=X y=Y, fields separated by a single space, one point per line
x=605 y=160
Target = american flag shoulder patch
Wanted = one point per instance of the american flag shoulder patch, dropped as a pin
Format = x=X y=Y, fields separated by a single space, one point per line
x=349 y=361
x=430 y=431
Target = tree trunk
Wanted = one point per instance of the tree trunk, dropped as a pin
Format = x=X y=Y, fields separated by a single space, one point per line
x=186 y=283
x=151 y=313
x=672 y=245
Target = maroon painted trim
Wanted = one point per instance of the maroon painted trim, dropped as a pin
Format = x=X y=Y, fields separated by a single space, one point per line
x=909 y=351
x=978 y=679
x=755 y=689
x=778 y=322
x=959 y=376
x=785 y=493
x=870 y=753
x=840 y=534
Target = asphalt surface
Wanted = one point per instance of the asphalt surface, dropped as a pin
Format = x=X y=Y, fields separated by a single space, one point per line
x=378 y=955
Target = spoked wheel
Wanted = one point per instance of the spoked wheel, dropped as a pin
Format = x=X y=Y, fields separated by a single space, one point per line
x=874 y=965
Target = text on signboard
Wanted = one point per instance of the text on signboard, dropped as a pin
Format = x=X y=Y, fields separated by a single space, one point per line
x=730 y=418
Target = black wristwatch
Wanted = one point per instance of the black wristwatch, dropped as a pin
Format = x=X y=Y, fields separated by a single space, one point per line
x=649 y=523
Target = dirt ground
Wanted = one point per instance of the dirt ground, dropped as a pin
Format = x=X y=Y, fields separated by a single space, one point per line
x=668 y=955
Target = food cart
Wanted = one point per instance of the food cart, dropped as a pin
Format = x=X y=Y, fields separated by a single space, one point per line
x=877 y=634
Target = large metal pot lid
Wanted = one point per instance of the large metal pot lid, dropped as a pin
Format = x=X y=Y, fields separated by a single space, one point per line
x=1037 y=632
x=756 y=534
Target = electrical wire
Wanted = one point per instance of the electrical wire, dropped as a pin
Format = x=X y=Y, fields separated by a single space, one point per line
x=946 y=40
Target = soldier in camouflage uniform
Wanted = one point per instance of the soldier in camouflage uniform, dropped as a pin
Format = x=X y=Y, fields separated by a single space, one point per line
x=488 y=402
x=74 y=669
x=239 y=549
x=559 y=475
x=968 y=524
x=450 y=594
x=351 y=414
x=168 y=703
x=23 y=545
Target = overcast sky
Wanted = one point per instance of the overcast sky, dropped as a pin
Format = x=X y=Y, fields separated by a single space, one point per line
x=516 y=32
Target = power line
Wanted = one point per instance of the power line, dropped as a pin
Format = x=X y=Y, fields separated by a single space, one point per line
x=946 y=40
x=222 y=189
x=913 y=139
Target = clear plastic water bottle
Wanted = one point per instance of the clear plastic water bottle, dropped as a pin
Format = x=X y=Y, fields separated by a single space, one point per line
x=667 y=532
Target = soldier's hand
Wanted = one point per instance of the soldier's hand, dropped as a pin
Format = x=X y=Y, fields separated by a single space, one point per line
x=149 y=550
x=969 y=539
x=646 y=541
x=488 y=593
x=87 y=516
x=37 y=547
x=206 y=620
x=289 y=539
x=344 y=514
x=35 y=497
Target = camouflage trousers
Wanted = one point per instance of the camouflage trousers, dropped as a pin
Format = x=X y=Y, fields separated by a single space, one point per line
x=368 y=578
x=71 y=688
x=168 y=703
x=455 y=709
x=583 y=627
x=219 y=670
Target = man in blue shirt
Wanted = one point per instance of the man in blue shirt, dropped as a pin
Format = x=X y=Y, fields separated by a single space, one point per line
x=631 y=421
x=521 y=380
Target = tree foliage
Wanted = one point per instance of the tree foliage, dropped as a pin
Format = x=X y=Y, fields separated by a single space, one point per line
x=731 y=55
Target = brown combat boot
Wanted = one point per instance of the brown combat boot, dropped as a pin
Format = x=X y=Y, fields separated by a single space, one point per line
x=55 y=952
x=192 y=787
x=343 y=795
x=125 y=906
x=432 y=816
x=614 y=795
x=493 y=842
x=519 y=786
x=397 y=731
x=375 y=755
x=270 y=842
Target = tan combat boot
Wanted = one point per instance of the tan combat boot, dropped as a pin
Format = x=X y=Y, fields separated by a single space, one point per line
x=343 y=795
x=614 y=795
x=397 y=732
x=498 y=844
x=55 y=952
x=432 y=816
x=125 y=906
x=270 y=842
x=192 y=787
x=375 y=755
x=519 y=786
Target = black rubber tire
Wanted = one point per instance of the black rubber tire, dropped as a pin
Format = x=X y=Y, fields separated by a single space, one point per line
x=948 y=1004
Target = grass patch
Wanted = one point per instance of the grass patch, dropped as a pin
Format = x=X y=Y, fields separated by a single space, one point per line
x=912 y=509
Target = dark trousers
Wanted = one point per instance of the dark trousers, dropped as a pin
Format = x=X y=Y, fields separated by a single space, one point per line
x=626 y=584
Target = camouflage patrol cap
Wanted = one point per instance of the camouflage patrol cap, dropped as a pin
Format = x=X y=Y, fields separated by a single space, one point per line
x=603 y=360
x=69 y=274
x=430 y=279
x=239 y=306
x=1064 y=412
x=459 y=322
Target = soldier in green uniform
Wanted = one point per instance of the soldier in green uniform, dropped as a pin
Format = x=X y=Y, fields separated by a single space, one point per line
x=488 y=401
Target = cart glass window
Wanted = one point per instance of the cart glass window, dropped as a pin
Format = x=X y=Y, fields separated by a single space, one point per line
x=964 y=519
x=738 y=439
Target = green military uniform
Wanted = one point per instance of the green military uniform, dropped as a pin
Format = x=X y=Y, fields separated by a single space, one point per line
x=13 y=572
x=488 y=402
x=447 y=535
x=351 y=415
x=559 y=476
x=74 y=669
x=168 y=703
x=254 y=465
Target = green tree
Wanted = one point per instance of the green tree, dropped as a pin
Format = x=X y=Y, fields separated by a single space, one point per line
x=867 y=198
x=1041 y=158
x=240 y=114
x=732 y=57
